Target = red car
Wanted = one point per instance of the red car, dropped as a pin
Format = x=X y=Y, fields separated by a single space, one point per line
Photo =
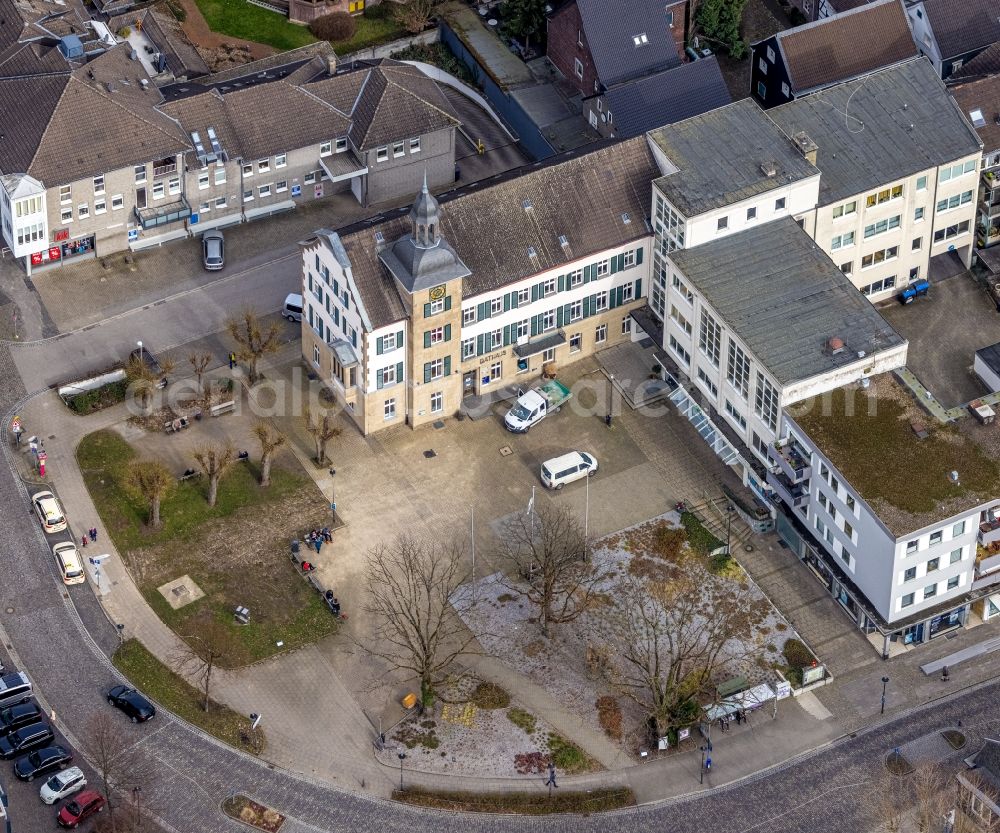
x=80 y=808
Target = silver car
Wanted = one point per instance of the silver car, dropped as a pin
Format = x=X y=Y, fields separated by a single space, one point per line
x=213 y=250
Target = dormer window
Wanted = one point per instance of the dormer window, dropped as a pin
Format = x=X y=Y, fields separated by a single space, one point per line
x=640 y=39
x=977 y=118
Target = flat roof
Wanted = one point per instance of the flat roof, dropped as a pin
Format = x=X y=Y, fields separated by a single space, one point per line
x=990 y=356
x=903 y=478
x=784 y=297
x=721 y=158
x=879 y=128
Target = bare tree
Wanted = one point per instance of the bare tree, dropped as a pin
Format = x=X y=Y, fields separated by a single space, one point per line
x=416 y=630
x=321 y=426
x=887 y=802
x=208 y=645
x=106 y=742
x=547 y=548
x=270 y=441
x=151 y=481
x=253 y=339
x=143 y=380
x=215 y=461
x=929 y=785
x=415 y=15
x=199 y=364
x=670 y=640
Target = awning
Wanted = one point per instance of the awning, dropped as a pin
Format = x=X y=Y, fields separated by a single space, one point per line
x=342 y=166
x=705 y=427
x=539 y=345
x=748 y=700
x=344 y=352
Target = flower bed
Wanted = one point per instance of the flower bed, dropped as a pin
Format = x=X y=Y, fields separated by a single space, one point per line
x=248 y=811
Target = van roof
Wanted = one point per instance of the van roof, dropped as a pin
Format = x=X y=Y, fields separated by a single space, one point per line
x=293 y=298
x=563 y=460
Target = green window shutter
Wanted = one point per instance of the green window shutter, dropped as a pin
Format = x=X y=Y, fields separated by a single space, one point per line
x=484 y=311
x=480 y=344
x=447 y=302
x=612 y=298
x=427 y=338
x=399 y=339
x=447 y=332
x=638 y=289
x=638 y=256
x=427 y=310
x=506 y=302
x=587 y=302
x=427 y=372
x=536 y=292
x=620 y=296
x=562 y=282
x=379 y=342
x=536 y=324
x=379 y=382
x=399 y=372
x=506 y=335
x=614 y=264
x=559 y=316
x=447 y=365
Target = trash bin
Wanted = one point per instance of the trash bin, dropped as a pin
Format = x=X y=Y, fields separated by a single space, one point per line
x=295 y=546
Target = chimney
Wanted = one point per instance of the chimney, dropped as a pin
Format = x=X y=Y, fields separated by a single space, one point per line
x=835 y=345
x=768 y=168
x=807 y=147
x=331 y=63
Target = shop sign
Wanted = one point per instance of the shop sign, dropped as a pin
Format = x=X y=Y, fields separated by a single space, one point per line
x=61 y=234
x=54 y=253
x=783 y=689
x=36 y=258
x=296 y=190
x=813 y=674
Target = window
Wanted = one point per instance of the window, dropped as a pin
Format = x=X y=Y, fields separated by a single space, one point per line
x=879 y=256
x=140 y=174
x=882 y=226
x=66 y=215
x=248 y=195
x=710 y=337
x=738 y=418
x=937 y=537
x=845 y=209
x=958 y=529
x=496 y=370
x=785 y=90
x=549 y=355
x=822 y=500
x=549 y=287
x=436 y=307
x=83 y=210
x=389 y=409
x=248 y=170
x=203 y=182
x=751 y=213
x=325 y=148
x=100 y=206
x=315 y=353
x=779 y=204
x=601 y=301
x=99 y=185
x=722 y=224
x=469 y=315
x=670 y=19
x=388 y=376
x=437 y=402
x=415 y=145
x=220 y=202
x=496 y=339
x=761 y=89
x=955 y=556
x=930 y=590
x=842 y=241
x=280 y=160
x=117 y=201
x=918 y=215
x=849 y=500
x=954 y=201
x=576 y=310
x=549 y=320
x=575 y=277
x=876 y=287
x=157 y=190
x=679 y=350
x=496 y=306
x=264 y=191
x=766 y=402
x=603 y=268
x=953 y=582
x=628 y=292
x=341 y=144
x=523 y=297
x=847 y=268
x=911 y=547
x=65 y=194
x=915 y=245
x=281 y=186
x=848 y=530
x=709 y=385
x=468 y=348
x=640 y=39
x=626 y=325
x=910 y=574
x=601 y=334
x=382 y=153
x=955 y=171
x=770 y=54
x=951 y=231
x=398 y=149
x=680 y=320
x=578 y=68
x=921 y=183
x=906 y=601
x=834 y=484
x=933 y=564
x=436 y=368
x=738 y=369
x=263 y=166
x=575 y=343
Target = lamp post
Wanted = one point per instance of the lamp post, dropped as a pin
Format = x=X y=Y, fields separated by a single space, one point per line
x=136 y=797
x=885 y=682
x=402 y=757
x=333 y=500
x=729 y=528
x=139 y=343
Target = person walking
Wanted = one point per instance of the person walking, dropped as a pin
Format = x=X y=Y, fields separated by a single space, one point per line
x=232 y=360
x=83 y=540
x=93 y=534
x=318 y=543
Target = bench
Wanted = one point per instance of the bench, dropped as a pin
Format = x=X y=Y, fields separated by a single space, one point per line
x=222 y=408
x=190 y=474
x=242 y=615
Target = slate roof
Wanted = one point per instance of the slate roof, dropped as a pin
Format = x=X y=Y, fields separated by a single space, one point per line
x=166 y=34
x=961 y=26
x=986 y=62
x=667 y=97
x=784 y=297
x=899 y=120
x=610 y=29
x=582 y=197
x=982 y=95
x=846 y=45
x=988 y=760
x=719 y=155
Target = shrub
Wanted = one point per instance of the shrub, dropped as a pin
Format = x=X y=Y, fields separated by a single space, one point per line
x=381 y=11
x=565 y=755
x=490 y=696
x=102 y=397
x=609 y=714
x=796 y=654
x=125 y=31
x=524 y=720
x=334 y=26
x=699 y=537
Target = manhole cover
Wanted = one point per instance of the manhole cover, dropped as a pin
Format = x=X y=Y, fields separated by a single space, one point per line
x=179 y=590
x=10 y=610
x=430 y=453
x=506 y=451
x=439 y=424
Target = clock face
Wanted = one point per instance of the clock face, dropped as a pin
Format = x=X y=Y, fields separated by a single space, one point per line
x=437 y=293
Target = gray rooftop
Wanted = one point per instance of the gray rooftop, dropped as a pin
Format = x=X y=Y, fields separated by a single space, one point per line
x=721 y=156
x=899 y=120
x=785 y=307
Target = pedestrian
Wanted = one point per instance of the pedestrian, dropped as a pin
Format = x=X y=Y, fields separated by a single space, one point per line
x=318 y=543
x=232 y=360
x=83 y=540
x=93 y=534
x=326 y=534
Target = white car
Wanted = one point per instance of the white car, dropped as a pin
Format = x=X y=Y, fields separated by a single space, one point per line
x=69 y=563
x=559 y=471
x=62 y=785
x=49 y=512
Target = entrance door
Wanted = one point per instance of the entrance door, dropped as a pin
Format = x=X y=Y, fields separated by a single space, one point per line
x=140 y=197
x=469 y=383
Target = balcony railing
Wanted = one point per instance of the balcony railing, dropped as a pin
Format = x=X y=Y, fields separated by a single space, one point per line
x=163 y=170
x=794 y=494
x=989 y=531
x=163 y=215
x=793 y=461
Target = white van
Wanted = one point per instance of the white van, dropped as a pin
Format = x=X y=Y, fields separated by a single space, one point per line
x=559 y=471
x=292 y=310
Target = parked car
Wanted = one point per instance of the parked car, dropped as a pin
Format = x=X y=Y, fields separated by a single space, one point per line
x=559 y=471
x=69 y=563
x=25 y=739
x=42 y=762
x=63 y=785
x=130 y=701
x=213 y=250
x=14 y=717
x=292 y=310
x=15 y=688
x=536 y=404
x=85 y=805
x=49 y=512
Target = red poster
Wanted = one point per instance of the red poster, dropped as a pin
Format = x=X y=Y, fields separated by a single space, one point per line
x=54 y=253
x=36 y=258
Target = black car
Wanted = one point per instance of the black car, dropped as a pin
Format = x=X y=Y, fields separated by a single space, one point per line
x=24 y=739
x=130 y=701
x=41 y=762
x=14 y=717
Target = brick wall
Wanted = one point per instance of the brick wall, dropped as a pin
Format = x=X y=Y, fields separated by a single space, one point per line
x=678 y=28
x=565 y=31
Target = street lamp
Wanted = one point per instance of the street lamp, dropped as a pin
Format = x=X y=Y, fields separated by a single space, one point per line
x=402 y=757
x=333 y=500
x=139 y=343
x=729 y=528
x=885 y=682
x=136 y=796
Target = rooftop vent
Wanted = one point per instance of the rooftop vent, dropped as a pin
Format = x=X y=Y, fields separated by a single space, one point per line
x=626 y=218
x=144 y=83
x=526 y=204
x=379 y=237
x=640 y=39
x=768 y=168
x=835 y=345
x=953 y=477
x=532 y=252
x=563 y=240
x=807 y=147
x=977 y=118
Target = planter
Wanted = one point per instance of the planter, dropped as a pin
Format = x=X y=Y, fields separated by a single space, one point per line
x=249 y=812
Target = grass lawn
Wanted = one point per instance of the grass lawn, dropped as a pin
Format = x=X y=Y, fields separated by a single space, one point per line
x=236 y=552
x=370 y=32
x=529 y=803
x=241 y=19
x=152 y=677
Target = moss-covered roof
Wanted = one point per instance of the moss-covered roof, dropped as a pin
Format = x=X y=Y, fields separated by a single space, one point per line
x=869 y=436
